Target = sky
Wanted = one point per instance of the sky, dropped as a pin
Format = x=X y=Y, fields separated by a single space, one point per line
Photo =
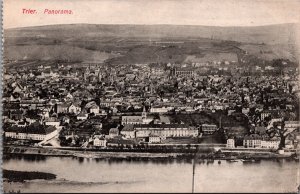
x=176 y=12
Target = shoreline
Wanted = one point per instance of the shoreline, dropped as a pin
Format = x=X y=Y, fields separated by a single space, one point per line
x=139 y=155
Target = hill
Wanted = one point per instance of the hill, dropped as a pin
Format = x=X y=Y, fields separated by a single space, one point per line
x=159 y=43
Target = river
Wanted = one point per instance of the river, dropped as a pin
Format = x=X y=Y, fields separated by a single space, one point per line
x=91 y=175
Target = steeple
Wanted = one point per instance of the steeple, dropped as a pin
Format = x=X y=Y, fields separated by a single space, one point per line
x=144 y=113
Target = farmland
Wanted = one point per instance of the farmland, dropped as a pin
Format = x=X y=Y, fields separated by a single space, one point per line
x=124 y=44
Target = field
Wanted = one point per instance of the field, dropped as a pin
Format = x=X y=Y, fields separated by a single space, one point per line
x=123 y=44
x=120 y=50
x=270 y=52
x=54 y=52
x=212 y=57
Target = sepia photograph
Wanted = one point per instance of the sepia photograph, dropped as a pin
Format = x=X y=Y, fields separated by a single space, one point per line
x=162 y=96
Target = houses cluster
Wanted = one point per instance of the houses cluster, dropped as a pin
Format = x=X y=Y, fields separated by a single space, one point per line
x=266 y=137
x=83 y=99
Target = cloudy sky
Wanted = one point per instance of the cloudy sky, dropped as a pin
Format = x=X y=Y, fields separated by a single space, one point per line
x=185 y=12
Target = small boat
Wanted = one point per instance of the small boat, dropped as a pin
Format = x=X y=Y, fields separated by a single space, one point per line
x=233 y=160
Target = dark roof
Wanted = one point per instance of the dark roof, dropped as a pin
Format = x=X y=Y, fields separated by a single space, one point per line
x=119 y=140
x=161 y=126
x=7 y=106
x=44 y=130
x=253 y=137
x=114 y=130
x=128 y=127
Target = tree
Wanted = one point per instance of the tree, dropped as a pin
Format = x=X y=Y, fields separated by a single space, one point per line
x=281 y=132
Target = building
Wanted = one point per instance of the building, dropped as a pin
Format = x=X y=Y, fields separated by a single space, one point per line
x=128 y=131
x=61 y=108
x=257 y=141
x=143 y=119
x=159 y=109
x=73 y=108
x=94 y=109
x=230 y=143
x=291 y=124
x=100 y=142
x=131 y=120
x=52 y=121
x=82 y=116
x=154 y=139
x=40 y=133
x=252 y=141
x=161 y=130
x=271 y=143
x=208 y=129
x=182 y=72
x=164 y=119
x=113 y=132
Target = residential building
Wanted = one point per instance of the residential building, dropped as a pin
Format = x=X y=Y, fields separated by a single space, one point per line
x=82 y=116
x=39 y=134
x=230 y=143
x=52 y=121
x=128 y=131
x=100 y=142
x=154 y=139
x=74 y=108
x=131 y=120
x=113 y=132
x=159 y=109
x=272 y=143
x=208 y=129
x=252 y=141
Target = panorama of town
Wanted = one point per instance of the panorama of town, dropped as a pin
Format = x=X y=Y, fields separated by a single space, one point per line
x=155 y=107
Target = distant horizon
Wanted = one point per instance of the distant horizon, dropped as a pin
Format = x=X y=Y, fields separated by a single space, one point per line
x=128 y=24
x=221 y=13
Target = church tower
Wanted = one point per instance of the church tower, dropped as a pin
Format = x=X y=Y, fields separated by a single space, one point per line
x=144 y=114
x=99 y=77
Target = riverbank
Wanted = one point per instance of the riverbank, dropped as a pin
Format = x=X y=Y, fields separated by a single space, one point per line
x=130 y=154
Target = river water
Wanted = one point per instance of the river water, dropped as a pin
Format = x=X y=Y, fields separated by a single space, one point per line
x=91 y=175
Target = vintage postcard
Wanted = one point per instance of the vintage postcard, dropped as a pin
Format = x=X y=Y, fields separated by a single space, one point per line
x=138 y=96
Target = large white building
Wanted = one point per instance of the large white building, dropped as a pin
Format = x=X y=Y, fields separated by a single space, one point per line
x=100 y=142
x=161 y=130
x=291 y=124
x=131 y=120
x=154 y=139
x=256 y=141
x=31 y=134
x=73 y=108
x=159 y=109
x=52 y=122
x=128 y=131
x=252 y=141
x=141 y=119
x=272 y=143
x=230 y=143
x=208 y=128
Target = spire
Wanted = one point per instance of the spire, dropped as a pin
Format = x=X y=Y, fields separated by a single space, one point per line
x=144 y=114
